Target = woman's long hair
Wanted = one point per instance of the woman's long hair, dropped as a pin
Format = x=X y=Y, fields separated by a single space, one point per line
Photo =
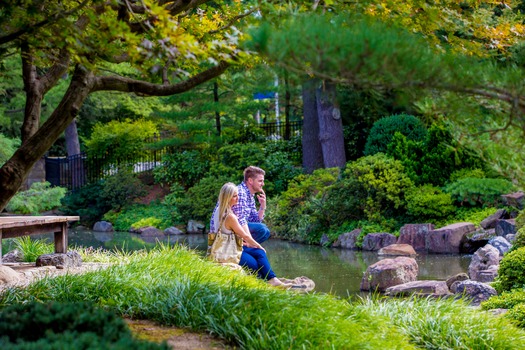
x=228 y=190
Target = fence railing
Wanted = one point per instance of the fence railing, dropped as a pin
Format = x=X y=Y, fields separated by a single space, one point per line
x=76 y=171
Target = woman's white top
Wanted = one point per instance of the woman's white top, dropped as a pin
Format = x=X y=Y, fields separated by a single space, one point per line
x=217 y=221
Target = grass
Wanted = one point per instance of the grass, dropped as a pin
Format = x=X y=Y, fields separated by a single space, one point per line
x=174 y=286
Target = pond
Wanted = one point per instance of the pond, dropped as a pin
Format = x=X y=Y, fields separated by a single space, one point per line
x=334 y=270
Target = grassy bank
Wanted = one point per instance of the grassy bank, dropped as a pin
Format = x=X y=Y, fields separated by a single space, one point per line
x=174 y=286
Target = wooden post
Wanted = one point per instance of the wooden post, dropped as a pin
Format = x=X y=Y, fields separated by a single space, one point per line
x=61 y=239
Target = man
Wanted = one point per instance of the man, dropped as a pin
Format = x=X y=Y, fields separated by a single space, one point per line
x=246 y=210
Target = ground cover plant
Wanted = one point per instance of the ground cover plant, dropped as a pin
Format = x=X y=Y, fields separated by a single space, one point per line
x=174 y=286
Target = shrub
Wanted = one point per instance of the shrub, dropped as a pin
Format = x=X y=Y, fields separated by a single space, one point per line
x=520 y=220
x=479 y=192
x=140 y=215
x=428 y=201
x=519 y=240
x=467 y=173
x=121 y=189
x=87 y=203
x=38 y=198
x=57 y=325
x=184 y=168
x=31 y=249
x=511 y=272
x=384 y=129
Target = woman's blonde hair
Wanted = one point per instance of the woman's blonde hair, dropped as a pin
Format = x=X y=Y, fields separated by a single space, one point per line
x=227 y=192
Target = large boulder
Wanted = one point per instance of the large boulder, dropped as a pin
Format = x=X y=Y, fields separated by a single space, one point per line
x=348 y=240
x=103 y=226
x=484 y=264
x=149 y=231
x=453 y=281
x=13 y=256
x=490 y=221
x=8 y=275
x=415 y=235
x=398 y=250
x=477 y=239
x=501 y=244
x=421 y=288
x=173 y=231
x=514 y=199
x=376 y=241
x=389 y=272
x=70 y=259
x=475 y=292
x=505 y=227
x=195 y=227
x=448 y=239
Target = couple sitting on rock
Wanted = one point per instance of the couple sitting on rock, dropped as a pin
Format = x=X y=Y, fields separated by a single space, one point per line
x=236 y=206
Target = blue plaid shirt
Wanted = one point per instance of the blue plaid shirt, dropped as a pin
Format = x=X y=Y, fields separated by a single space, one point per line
x=245 y=208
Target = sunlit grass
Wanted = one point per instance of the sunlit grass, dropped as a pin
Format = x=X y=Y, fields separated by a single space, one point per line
x=174 y=286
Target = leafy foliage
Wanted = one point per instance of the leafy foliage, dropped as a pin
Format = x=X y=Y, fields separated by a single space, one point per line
x=427 y=201
x=121 y=189
x=511 y=272
x=7 y=148
x=139 y=215
x=184 y=168
x=87 y=203
x=31 y=249
x=38 y=198
x=479 y=192
x=67 y=325
x=385 y=128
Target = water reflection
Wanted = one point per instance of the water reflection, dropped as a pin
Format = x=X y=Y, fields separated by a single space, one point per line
x=334 y=270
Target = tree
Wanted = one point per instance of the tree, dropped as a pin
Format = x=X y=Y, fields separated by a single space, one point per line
x=166 y=47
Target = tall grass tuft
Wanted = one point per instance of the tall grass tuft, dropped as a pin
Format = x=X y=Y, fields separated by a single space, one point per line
x=176 y=287
x=31 y=249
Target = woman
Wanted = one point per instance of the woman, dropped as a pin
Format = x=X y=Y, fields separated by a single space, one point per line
x=253 y=254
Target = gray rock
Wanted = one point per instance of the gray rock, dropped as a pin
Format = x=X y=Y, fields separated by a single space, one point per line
x=505 y=227
x=484 y=264
x=511 y=237
x=376 y=241
x=149 y=231
x=475 y=292
x=195 y=227
x=423 y=288
x=490 y=221
x=70 y=259
x=348 y=240
x=8 y=275
x=13 y=256
x=103 y=226
x=415 y=235
x=501 y=244
x=477 y=239
x=388 y=273
x=448 y=239
x=456 y=278
x=398 y=249
x=173 y=231
x=514 y=199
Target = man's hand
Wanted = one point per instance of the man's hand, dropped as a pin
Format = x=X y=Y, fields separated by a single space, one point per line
x=261 y=197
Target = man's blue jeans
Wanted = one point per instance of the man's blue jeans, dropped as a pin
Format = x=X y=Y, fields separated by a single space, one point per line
x=259 y=231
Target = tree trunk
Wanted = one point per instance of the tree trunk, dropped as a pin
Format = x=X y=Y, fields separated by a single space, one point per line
x=330 y=126
x=287 y=104
x=216 y=100
x=72 y=141
x=75 y=160
x=16 y=169
x=312 y=151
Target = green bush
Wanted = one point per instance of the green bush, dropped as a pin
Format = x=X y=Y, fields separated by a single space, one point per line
x=199 y=201
x=384 y=129
x=121 y=189
x=158 y=215
x=511 y=272
x=505 y=300
x=7 y=148
x=428 y=201
x=58 y=325
x=87 y=203
x=519 y=240
x=520 y=220
x=479 y=192
x=378 y=184
x=31 y=249
x=467 y=173
x=185 y=168
x=38 y=198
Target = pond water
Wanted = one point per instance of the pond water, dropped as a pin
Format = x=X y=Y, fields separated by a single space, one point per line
x=334 y=270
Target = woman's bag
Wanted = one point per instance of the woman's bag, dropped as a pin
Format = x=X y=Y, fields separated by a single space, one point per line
x=224 y=247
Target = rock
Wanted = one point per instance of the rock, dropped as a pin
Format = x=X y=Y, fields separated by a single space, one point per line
x=70 y=259
x=173 y=231
x=454 y=280
x=513 y=199
x=348 y=240
x=505 y=227
x=415 y=235
x=475 y=240
x=448 y=239
x=389 y=272
x=13 y=256
x=511 y=237
x=103 y=226
x=8 y=275
x=195 y=227
x=423 y=288
x=490 y=221
x=149 y=231
x=398 y=249
x=475 y=292
x=376 y=241
x=484 y=264
x=324 y=241
x=299 y=284
x=501 y=244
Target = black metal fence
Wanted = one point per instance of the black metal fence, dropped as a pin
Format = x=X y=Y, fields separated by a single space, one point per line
x=79 y=170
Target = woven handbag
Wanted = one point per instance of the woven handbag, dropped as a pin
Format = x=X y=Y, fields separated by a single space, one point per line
x=224 y=247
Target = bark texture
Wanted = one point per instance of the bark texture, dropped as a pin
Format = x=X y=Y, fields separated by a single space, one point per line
x=312 y=151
